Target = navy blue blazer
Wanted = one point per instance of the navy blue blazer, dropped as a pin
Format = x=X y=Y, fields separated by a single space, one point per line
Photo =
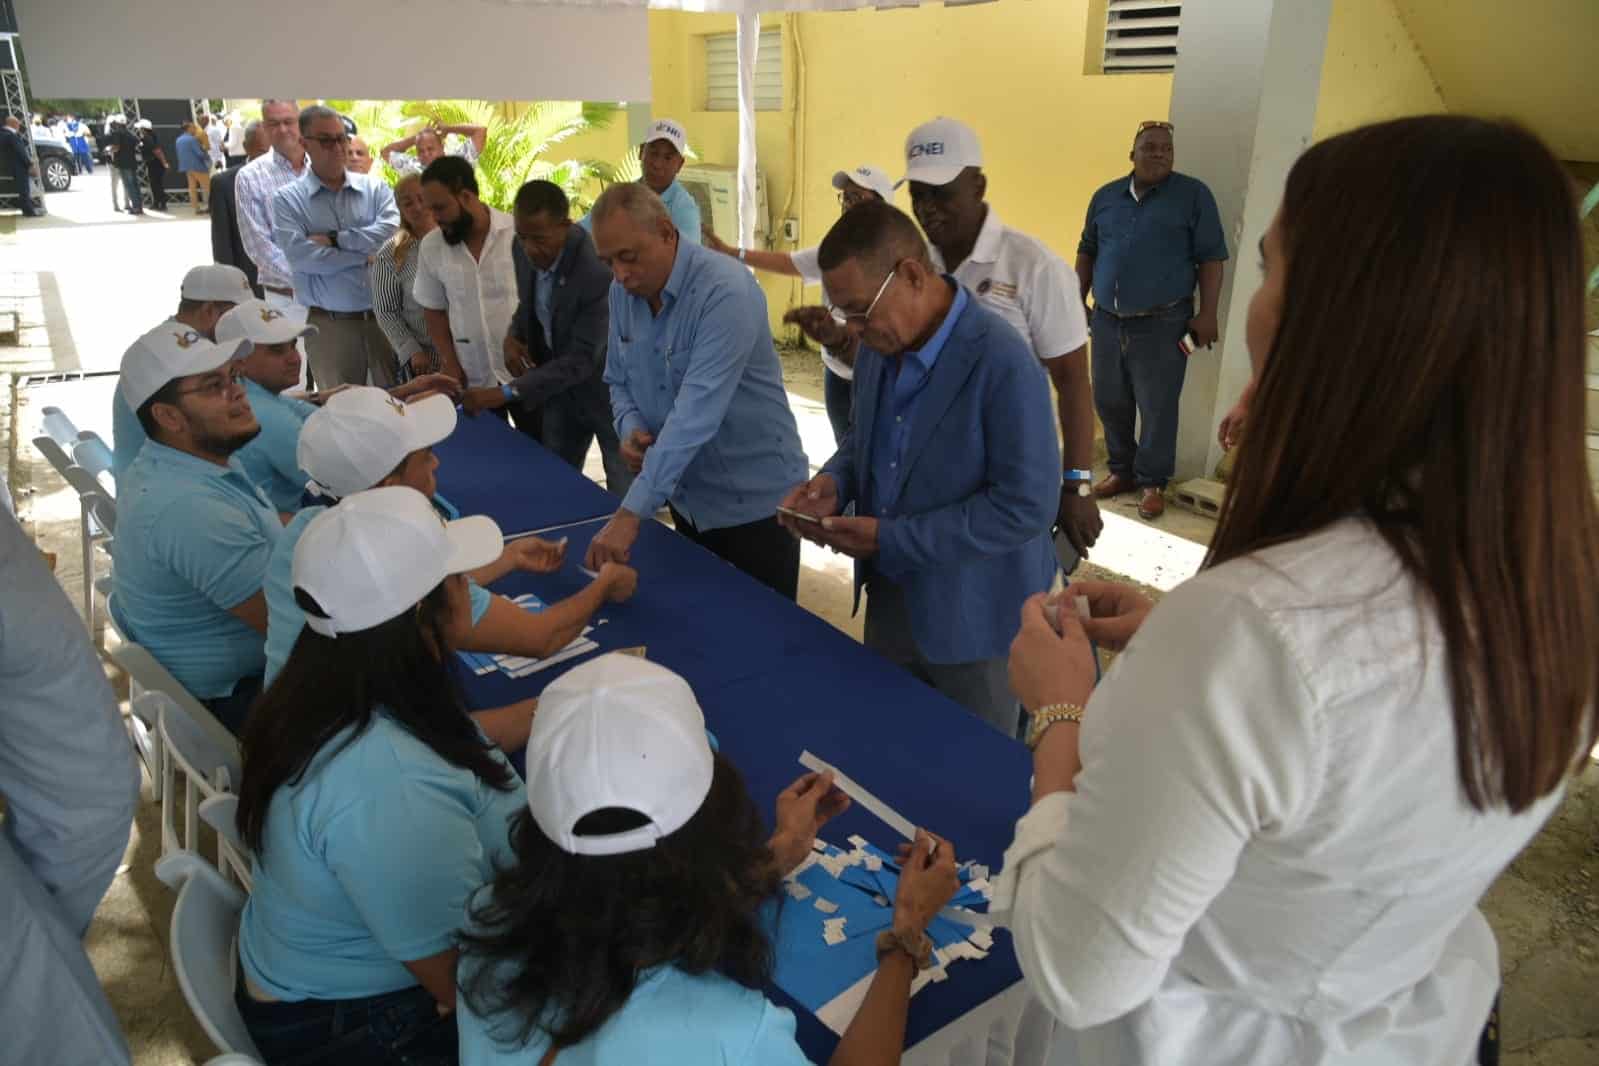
x=969 y=539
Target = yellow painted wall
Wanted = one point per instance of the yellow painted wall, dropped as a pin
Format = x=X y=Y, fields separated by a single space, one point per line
x=1372 y=70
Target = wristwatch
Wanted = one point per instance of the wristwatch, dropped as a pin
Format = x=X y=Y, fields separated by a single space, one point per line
x=915 y=943
x=1083 y=479
x=509 y=392
x=1049 y=715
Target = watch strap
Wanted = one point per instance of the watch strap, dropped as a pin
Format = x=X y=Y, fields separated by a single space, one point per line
x=1077 y=475
x=914 y=943
x=1049 y=715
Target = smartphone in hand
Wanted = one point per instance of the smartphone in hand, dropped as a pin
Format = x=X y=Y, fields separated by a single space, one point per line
x=800 y=515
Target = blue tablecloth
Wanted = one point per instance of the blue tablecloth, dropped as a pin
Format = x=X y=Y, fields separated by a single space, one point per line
x=775 y=680
x=486 y=467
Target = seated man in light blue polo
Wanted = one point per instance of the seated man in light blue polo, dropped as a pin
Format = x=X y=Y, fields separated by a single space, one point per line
x=362 y=439
x=193 y=533
x=272 y=367
x=209 y=292
x=660 y=158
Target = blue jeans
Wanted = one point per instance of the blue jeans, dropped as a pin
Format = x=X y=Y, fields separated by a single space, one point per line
x=130 y=186
x=401 y=1028
x=840 y=398
x=232 y=710
x=1138 y=375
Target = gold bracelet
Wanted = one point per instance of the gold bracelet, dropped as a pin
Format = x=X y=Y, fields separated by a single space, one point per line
x=1048 y=715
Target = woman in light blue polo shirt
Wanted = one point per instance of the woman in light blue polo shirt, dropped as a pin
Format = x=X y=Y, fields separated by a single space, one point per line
x=373 y=803
x=629 y=928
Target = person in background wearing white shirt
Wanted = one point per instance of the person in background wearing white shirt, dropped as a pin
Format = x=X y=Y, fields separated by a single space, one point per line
x=237 y=141
x=465 y=276
x=863 y=184
x=429 y=142
x=1030 y=286
x=1265 y=839
x=253 y=191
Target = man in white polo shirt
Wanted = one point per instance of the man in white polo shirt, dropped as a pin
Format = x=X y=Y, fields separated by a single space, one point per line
x=209 y=292
x=1030 y=286
x=863 y=184
x=193 y=533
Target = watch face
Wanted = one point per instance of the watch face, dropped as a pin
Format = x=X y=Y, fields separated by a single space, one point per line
x=1083 y=488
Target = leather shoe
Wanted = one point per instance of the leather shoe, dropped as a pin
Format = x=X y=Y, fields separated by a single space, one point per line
x=1113 y=485
x=1152 y=504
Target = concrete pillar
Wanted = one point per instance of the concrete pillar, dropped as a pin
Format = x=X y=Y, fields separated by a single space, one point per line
x=1243 y=102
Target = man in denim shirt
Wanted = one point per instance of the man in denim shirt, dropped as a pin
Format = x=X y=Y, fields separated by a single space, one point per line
x=1148 y=238
x=697 y=394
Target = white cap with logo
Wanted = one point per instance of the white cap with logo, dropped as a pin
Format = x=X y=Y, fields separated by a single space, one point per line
x=936 y=152
x=262 y=323
x=867 y=177
x=378 y=553
x=618 y=732
x=669 y=130
x=168 y=352
x=361 y=434
x=217 y=283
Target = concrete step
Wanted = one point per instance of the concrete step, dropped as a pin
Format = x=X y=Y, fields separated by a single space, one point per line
x=1202 y=495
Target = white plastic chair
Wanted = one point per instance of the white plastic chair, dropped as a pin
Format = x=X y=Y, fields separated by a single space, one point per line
x=205 y=930
x=208 y=768
x=52 y=450
x=94 y=455
x=221 y=813
x=59 y=426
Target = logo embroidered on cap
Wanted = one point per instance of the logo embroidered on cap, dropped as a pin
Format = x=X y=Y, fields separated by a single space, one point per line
x=268 y=314
x=926 y=148
x=396 y=404
x=186 y=339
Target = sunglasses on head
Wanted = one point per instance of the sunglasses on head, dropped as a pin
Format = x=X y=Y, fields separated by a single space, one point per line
x=1155 y=124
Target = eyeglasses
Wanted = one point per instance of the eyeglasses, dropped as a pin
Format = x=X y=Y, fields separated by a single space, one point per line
x=216 y=386
x=328 y=140
x=845 y=318
x=1155 y=124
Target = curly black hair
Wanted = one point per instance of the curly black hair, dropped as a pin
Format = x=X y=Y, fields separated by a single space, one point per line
x=560 y=939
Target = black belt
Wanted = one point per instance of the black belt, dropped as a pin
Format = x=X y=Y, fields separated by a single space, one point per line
x=355 y=316
x=1151 y=313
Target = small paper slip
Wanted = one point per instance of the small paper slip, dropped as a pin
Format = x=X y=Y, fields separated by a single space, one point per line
x=571 y=651
x=796 y=890
x=890 y=817
x=873 y=862
x=826 y=906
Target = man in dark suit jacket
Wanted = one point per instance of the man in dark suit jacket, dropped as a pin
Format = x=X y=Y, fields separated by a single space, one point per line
x=226 y=244
x=556 y=346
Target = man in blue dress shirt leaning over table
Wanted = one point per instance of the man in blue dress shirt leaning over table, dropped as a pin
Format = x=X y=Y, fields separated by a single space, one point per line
x=951 y=465
x=697 y=394
x=1148 y=238
x=193 y=534
x=328 y=222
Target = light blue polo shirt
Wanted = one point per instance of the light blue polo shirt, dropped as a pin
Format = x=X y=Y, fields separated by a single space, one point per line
x=284 y=617
x=367 y=863
x=672 y=1018
x=270 y=460
x=127 y=436
x=193 y=541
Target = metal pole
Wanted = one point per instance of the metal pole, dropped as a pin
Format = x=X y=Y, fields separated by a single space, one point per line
x=16 y=102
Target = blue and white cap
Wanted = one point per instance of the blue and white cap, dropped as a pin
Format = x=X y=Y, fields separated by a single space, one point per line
x=936 y=152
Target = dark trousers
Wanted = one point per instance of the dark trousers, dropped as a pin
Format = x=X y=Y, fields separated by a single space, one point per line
x=158 y=185
x=567 y=430
x=840 y=398
x=130 y=188
x=764 y=550
x=19 y=174
x=396 y=1027
x=1138 y=382
x=232 y=710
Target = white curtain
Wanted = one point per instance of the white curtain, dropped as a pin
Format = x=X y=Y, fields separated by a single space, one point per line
x=749 y=42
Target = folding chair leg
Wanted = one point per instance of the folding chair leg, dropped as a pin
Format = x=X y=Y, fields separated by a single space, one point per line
x=88 y=566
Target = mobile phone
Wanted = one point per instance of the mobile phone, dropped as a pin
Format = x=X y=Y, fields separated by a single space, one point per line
x=802 y=516
x=1187 y=344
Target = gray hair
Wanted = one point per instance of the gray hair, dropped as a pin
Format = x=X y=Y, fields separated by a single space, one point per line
x=314 y=112
x=638 y=200
x=268 y=103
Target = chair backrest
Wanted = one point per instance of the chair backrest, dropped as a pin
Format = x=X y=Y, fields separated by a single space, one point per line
x=213 y=767
x=149 y=675
x=205 y=928
x=55 y=453
x=92 y=453
x=101 y=505
x=59 y=426
x=221 y=812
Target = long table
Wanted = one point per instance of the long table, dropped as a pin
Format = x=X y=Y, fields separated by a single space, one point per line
x=774 y=680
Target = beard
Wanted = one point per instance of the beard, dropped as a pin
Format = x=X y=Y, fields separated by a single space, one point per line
x=218 y=444
x=458 y=230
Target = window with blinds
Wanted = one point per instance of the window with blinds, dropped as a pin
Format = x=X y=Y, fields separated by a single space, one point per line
x=721 y=72
x=1141 y=36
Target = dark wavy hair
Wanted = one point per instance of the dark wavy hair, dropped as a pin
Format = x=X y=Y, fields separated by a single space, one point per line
x=329 y=684
x=562 y=938
x=1427 y=374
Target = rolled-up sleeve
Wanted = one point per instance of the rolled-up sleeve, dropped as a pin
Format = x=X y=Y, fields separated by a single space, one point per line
x=1203 y=735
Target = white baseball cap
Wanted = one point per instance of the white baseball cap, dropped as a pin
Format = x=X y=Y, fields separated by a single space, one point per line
x=669 y=130
x=145 y=124
x=867 y=177
x=262 y=323
x=936 y=152
x=617 y=732
x=377 y=554
x=217 y=282
x=360 y=435
x=170 y=351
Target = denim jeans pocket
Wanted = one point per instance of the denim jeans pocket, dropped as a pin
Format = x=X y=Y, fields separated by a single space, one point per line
x=409 y=1025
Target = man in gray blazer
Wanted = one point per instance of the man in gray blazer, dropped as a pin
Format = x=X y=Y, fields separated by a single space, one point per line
x=556 y=345
x=226 y=244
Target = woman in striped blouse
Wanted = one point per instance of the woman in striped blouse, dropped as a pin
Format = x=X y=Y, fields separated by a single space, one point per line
x=393 y=271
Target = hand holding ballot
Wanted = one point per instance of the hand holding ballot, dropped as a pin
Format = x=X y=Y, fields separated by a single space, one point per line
x=802 y=809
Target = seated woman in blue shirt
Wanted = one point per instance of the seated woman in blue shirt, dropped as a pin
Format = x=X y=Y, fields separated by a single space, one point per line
x=629 y=928
x=372 y=802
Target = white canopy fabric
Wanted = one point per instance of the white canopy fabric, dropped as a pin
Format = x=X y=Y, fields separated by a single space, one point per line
x=362 y=49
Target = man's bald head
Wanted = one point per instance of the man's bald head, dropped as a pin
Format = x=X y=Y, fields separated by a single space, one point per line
x=635 y=199
x=634 y=236
x=877 y=234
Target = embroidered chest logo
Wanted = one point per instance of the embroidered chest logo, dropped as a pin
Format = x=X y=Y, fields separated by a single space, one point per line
x=1003 y=290
x=186 y=339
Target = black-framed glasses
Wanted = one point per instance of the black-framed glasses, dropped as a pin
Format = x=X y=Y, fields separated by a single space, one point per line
x=328 y=140
x=231 y=379
x=846 y=318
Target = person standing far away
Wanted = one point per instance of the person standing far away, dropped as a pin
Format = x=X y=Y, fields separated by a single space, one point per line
x=14 y=154
x=429 y=144
x=1148 y=238
x=79 y=142
x=227 y=246
x=215 y=138
x=466 y=277
x=360 y=159
x=196 y=167
x=155 y=163
x=863 y=184
x=237 y=140
x=254 y=189
x=125 y=152
x=697 y=394
x=660 y=159
x=328 y=223
x=1027 y=284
